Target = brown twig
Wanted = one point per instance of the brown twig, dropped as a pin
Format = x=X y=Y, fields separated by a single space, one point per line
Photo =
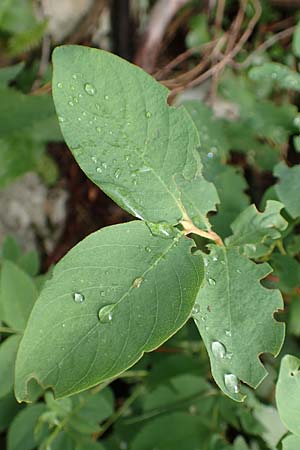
x=265 y=45
x=160 y=17
x=182 y=80
x=220 y=14
x=182 y=57
x=227 y=58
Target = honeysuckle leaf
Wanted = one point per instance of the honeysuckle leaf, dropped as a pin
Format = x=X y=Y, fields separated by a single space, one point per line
x=21 y=431
x=288 y=187
x=288 y=392
x=234 y=315
x=291 y=442
x=285 y=77
x=118 y=125
x=254 y=231
x=8 y=353
x=119 y=293
x=18 y=294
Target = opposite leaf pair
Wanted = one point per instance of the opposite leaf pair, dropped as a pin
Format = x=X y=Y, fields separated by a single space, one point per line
x=126 y=289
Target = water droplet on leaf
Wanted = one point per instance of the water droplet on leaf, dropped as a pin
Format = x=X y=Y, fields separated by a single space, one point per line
x=211 y=281
x=137 y=282
x=61 y=119
x=89 y=89
x=163 y=229
x=148 y=249
x=59 y=85
x=148 y=114
x=78 y=297
x=218 y=350
x=232 y=383
x=196 y=309
x=105 y=313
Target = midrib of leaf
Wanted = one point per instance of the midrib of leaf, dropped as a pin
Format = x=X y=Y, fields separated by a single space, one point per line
x=174 y=242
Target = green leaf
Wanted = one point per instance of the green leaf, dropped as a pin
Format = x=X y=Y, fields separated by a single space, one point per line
x=294 y=316
x=234 y=314
x=21 y=431
x=19 y=111
x=213 y=142
x=288 y=393
x=279 y=73
x=288 y=187
x=228 y=180
x=240 y=444
x=140 y=151
x=9 y=73
x=287 y=269
x=18 y=155
x=254 y=231
x=291 y=443
x=10 y=249
x=8 y=409
x=18 y=294
x=296 y=40
x=8 y=353
x=117 y=294
x=176 y=430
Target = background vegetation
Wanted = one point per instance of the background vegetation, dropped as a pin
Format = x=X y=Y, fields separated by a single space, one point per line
x=235 y=65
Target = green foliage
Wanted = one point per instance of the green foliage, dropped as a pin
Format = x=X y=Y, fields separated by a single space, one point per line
x=231 y=307
x=207 y=306
x=23 y=139
x=287 y=399
x=279 y=73
x=119 y=307
x=139 y=150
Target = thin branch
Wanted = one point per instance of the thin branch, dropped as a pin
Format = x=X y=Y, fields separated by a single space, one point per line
x=227 y=58
x=160 y=17
x=265 y=45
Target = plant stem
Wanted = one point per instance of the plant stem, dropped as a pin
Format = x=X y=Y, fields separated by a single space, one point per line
x=189 y=227
x=9 y=330
x=120 y=411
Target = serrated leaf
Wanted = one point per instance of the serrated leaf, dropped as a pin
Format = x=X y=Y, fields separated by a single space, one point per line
x=119 y=293
x=18 y=294
x=140 y=151
x=288 y=393
x=296 y=40
x=288 y=187
x=8 y=353
x=234 y=314
x=254 y=231
x=279 y=73
x=21 y=430
x=291 y=443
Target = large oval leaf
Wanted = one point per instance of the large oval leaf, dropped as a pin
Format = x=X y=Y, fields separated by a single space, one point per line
x=117 y=294
x=140 y=151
